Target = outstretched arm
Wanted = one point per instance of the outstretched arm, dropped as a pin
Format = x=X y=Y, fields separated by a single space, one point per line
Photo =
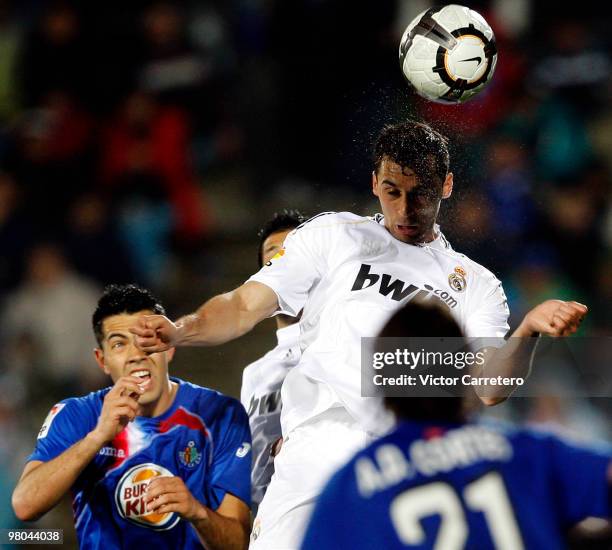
x=551 y=318
x=221 y=319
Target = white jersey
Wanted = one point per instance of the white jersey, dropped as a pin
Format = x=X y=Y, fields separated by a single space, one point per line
x=261 y=396
x=349 y=275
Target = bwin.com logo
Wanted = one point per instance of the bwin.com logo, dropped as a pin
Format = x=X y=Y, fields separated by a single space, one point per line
x=398 y=290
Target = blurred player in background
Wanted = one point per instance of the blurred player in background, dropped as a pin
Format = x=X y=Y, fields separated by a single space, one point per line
x=348 y=274
x=262 y=379
x=138 y=457
x=438 y=481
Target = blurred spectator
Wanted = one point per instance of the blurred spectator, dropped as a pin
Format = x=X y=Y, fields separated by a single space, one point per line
x=171 y=67
x=93 y=242
x=536 y=277
x=507 y=184
x=46 y=326
x=571 y=63
x=51 y=156
x=56 y=55
x=146 y=167
x=15 y=234
x=573 y=221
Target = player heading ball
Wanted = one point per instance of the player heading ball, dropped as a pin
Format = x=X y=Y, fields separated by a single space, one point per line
x=324 y=417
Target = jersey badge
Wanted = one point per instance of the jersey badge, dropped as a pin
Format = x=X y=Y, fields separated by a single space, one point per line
x=457 y=279
x=276 y=256
x=44 y=430
x=243 y=450
x=190 y=457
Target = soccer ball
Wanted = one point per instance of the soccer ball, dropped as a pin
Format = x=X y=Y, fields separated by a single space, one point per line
x=448 y=54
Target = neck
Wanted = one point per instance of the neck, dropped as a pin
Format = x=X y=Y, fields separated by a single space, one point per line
x=283 y=321
x=430 y=235
x=163 y=403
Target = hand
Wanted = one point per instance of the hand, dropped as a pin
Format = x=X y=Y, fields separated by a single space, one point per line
x=120 y=407
x=170 y=494
x=555 y=318
x=154 y=333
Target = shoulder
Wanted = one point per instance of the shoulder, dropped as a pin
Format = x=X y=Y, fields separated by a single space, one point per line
x=328 y=220
x=90 y=403
x=211 y=405
x=541 y=438
x=74 y=413
x=472 y=270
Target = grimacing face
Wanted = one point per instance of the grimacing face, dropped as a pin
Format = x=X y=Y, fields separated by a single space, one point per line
x=273 y=243
x=409 y=206
x=120 y=356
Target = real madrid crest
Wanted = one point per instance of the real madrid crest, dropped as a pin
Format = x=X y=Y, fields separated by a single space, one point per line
x=457 y=279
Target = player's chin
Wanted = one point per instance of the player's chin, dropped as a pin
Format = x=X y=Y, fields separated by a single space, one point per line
x=408 y=239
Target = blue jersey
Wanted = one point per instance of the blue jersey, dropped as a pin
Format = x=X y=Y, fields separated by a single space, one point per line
x=203 y=438
x=461 y=486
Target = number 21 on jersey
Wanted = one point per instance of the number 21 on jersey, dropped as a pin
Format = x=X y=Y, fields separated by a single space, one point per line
x=486 y=494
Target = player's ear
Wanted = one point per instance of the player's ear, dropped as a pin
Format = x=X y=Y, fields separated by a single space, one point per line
x=374 y=183
x=99 y=355
x=447 y=188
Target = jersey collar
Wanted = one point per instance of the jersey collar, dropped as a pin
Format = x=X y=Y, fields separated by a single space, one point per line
x=440 y=242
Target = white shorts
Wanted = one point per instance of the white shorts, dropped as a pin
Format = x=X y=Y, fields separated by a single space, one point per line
x=310 y=454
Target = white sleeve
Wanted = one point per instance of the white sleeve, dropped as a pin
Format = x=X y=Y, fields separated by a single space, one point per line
x=298 y=267
x=488 y=318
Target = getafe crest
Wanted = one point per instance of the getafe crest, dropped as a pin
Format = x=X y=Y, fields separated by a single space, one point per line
x=190 y=457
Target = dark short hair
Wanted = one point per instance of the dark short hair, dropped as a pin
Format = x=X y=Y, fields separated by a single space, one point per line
x=424 y=320
x=281 y=221
x=118 y=299
x=413 y=145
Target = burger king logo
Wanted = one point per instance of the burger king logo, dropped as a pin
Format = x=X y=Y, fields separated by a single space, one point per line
x=130 y=497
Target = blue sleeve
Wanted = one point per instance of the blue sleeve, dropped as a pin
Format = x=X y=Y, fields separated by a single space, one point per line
x=581 y=480
x=231 y=462
x=67 y=422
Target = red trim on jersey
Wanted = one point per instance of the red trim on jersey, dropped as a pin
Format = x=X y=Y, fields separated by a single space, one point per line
x=181 y=417
x=121 y=443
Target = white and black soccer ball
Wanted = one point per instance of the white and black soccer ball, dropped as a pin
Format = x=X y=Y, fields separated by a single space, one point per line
x=448 y=54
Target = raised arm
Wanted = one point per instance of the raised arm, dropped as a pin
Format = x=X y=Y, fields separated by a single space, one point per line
x=221 y=319
x=554 y=318
x=43 y=484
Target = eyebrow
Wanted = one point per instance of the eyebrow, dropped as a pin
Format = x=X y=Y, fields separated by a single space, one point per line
x=391 y=183
x=115 y=335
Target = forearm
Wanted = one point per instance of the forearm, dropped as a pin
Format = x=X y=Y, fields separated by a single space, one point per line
x=226 y=316
x=42 y=488
x=218 y=532
x=218 y=321
x=511 y=361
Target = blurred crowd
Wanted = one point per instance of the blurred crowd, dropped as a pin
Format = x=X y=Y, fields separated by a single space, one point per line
x=141 y=141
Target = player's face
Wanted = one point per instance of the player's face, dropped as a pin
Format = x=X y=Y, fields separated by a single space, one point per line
x=273 y=243
x=409 y=205
x=120 y=356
